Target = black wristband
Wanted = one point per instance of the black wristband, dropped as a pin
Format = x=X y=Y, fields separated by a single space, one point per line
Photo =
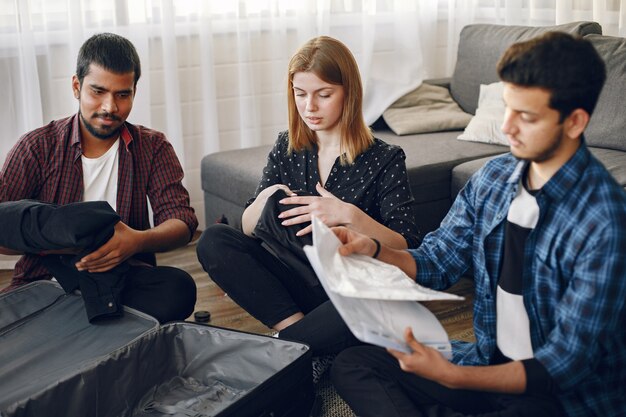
x=375 y=255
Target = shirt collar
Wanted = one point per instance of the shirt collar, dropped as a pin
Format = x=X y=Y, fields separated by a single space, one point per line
x=127 y=138
x=569 y=174
x=514 y=178
x=75 y=134
x=564 y=179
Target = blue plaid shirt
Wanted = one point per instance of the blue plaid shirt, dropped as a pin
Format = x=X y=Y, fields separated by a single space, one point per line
x=574 y=278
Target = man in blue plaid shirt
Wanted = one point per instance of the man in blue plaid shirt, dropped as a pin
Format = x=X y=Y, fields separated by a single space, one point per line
x=543 y=229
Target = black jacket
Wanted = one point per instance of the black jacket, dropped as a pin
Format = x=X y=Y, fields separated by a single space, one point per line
x=282 y=241
x=33 y=227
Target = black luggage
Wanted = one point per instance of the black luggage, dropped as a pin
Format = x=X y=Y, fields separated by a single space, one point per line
x=54 y=363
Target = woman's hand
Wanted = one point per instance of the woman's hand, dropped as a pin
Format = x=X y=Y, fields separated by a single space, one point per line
x=267 y=193
x=252 y=213
x=328 y=208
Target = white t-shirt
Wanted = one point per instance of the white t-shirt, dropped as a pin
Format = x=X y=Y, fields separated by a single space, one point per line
x=513 y=326
x=100 y=176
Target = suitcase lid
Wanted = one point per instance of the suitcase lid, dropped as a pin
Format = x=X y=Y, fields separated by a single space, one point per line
x=45 y=337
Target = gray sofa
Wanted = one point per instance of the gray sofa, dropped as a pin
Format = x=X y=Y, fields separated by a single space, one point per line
x=438 y=164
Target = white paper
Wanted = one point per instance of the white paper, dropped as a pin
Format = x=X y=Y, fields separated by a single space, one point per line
x=376 y=300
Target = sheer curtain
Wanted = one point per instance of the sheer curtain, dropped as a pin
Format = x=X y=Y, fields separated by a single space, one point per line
x=214 y=71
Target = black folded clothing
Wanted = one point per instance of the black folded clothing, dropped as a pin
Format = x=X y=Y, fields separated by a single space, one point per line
x=34 y=227
x=282 y=241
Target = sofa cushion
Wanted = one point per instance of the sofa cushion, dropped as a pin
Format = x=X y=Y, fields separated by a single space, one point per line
x=430 y=158
x=486 y=125
x=607 y=127
x=428 y=108
x=480 y=48
x=614 y=161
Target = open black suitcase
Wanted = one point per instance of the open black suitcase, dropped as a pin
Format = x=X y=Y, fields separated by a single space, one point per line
x=54 y=363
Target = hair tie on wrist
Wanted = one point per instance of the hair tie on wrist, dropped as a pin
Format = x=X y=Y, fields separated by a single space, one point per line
x=375 y=255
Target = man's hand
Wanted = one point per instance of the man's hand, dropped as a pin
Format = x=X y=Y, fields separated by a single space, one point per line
x=424 y=361
x=124 y=243
x=354 y=242
x=328 y=208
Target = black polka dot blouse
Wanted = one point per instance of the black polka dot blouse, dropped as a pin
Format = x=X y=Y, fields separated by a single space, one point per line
x=376 y=182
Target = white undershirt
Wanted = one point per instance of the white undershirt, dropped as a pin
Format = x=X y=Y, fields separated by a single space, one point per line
x=513 y=326
x=100 y=176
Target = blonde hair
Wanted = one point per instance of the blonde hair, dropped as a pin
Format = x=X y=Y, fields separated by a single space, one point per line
x=332 y=62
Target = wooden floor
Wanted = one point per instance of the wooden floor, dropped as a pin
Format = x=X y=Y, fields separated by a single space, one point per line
x=455 y=316
x=224 y=312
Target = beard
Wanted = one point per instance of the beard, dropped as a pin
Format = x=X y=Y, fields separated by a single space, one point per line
x=544 y=154
x=101 y=133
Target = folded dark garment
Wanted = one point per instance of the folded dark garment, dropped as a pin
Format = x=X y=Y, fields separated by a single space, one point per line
x=101 y=291
x=34 y=227
x=282 y=241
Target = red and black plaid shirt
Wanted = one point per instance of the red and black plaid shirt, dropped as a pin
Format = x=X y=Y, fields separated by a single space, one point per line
x=45 y=165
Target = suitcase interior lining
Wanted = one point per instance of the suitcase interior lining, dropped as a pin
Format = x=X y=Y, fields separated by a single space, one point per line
x=61 y=365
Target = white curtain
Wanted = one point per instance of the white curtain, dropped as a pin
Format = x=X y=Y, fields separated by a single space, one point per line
x=214 y=71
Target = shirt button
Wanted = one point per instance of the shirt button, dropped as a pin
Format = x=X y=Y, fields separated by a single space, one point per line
x=110 y=304
x=334 y=169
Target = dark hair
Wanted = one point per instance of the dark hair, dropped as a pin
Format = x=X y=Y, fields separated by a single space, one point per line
x=110 y=51
x=567 y=66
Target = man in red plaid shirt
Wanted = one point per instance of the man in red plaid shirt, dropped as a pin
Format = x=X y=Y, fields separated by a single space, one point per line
x=97 y=155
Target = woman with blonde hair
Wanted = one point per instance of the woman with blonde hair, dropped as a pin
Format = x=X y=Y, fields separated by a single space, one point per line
x=347 y=176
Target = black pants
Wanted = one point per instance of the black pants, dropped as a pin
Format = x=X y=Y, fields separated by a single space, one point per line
x=370 y=380
x=164 y=292
x=267 y=289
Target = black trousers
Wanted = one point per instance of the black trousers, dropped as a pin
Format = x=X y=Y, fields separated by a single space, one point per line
x=269 y=290
x=164 y=292
x=370 y=380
